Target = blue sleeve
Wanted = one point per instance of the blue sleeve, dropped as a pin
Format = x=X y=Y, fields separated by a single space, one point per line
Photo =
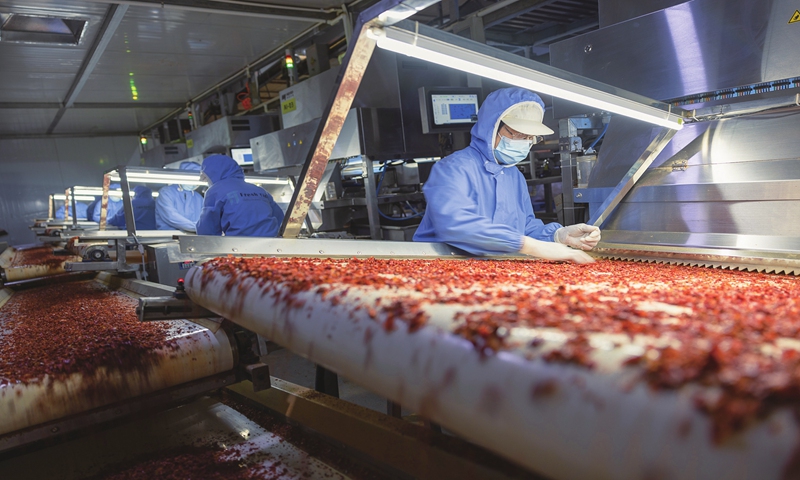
x=210 y=222
x=456 y=218
x=113 y=208
x=166 y=203
x=534 y=227
x=118 y=220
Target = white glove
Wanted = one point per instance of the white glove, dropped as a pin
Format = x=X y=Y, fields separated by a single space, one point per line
x=580 y=236
x=553 y=251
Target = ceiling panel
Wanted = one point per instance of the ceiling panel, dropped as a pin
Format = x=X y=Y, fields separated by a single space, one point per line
x=25 y=121
x=104 y=120
x=173 y=55
x=37 y=72
x=148 y=88
x=41 y=87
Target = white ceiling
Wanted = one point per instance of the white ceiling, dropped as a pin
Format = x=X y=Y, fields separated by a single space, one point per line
x=169 y=55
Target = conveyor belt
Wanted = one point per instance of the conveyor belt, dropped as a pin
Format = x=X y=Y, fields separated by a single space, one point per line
x=70 y=348
x=611 y=370
x=32 y=261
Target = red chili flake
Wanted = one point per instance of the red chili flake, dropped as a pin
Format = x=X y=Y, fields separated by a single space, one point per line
x=717 y=334
x=59 y=330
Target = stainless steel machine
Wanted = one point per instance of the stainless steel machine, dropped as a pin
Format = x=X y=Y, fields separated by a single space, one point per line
x=724 y=190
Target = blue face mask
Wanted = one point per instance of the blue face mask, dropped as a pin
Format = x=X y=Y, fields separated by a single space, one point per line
x=511 y=152
x=188 y=188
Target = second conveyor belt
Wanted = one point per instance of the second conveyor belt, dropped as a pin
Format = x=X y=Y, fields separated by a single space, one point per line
x=611 y=370
x=69 y=348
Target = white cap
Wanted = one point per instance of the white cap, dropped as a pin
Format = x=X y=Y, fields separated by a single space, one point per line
x=526 y=117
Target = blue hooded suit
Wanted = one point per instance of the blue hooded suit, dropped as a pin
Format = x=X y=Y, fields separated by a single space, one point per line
x=476 y=204
x=80 y=207
x=114 y=205
x=233 y=206
x=144 y=210
x=178 y=208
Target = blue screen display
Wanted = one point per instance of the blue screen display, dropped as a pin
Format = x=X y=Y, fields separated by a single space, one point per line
x=462 y=111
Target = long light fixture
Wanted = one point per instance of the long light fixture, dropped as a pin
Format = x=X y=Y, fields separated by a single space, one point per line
x=89 y=197
x=161 y=177
x=412 y=44
x=78 y=198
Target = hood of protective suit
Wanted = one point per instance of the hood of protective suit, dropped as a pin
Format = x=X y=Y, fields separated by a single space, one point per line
x=189 y=166
x=496 y=105
x=142 y=195
x=114 y=186
x=221 y=167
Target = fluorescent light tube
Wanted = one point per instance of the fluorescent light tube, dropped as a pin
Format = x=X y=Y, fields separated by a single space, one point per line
x=407 y=43
x=169 y=178
x=78 y=198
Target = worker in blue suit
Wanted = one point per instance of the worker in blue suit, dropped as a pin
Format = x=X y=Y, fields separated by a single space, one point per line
x=95 y=204
x=144 y=210
x=178 y=206
x=233 y=206
x=80 y=207
x=114 y=205
x=478 y=201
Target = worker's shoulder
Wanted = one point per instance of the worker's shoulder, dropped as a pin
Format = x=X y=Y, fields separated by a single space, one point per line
x=460 y=161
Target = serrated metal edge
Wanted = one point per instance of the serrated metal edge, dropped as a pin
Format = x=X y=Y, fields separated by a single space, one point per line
x=693 y=263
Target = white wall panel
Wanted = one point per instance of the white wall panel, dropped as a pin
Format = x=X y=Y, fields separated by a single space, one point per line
x=32 y=169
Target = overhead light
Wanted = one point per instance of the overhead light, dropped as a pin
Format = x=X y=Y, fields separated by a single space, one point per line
x=167 y=178
x=78 y=198
x=34 y=29
x=412 y=44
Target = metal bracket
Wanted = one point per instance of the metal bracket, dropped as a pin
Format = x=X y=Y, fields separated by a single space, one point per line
x=634 y=174
x=170 y=308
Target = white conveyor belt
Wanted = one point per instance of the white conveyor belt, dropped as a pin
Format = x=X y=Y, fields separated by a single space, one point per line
x=196 y=352
x=563 y=421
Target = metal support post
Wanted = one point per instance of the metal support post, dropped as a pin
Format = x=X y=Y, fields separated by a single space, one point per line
x=326 y=382
x=67 y=208
x=347 y=83
x=130 y=223
x=371 y=196
x=104 y=201
x=569 y=142
x=74 y=207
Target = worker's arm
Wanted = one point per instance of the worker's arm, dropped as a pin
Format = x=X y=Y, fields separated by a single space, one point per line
x=118 y=220
x=534 y=227
x=210 y=222
x=553 y=251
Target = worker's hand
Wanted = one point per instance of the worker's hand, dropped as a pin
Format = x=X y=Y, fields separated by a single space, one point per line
x=553 y=251
x=580 y=236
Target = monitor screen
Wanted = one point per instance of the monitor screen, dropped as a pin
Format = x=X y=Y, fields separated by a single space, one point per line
x=451 y=109
x=243 y=156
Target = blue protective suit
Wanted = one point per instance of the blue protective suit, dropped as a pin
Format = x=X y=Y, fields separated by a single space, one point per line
x=234 y=207
x=92 y=206
x=144 y=210
x=176 y=208
x=114 y=205
x=80 y=207
x=476 y=204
